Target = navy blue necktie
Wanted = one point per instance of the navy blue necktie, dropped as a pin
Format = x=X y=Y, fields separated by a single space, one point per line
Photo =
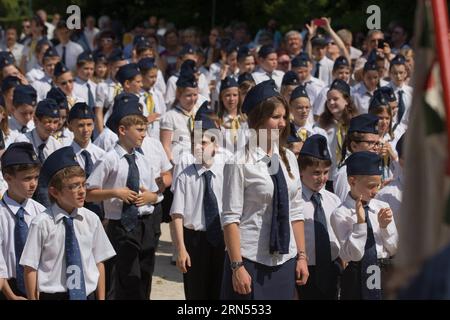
x=316 y=73
x=91 y=102
x=401 y=106
x=369 y=259
x=74 y=268
x=322 y=244
x=130 y=211
x=88 y=164
x=41 y=156
x=280 y=227
x=214 y=233
x=24 y=129
x=20 y=237
x=63 y=58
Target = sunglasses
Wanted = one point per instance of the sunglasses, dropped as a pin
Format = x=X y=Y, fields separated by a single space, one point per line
x=63 y=83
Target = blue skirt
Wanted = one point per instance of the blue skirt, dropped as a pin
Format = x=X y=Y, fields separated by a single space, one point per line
x=268 y=282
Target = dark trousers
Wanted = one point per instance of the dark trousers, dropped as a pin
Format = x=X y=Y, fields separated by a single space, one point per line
x=166 y=205
x=351 y=279
x=203 y=279
x=13 y=285
x=129 y=273
x=311 y=290
x=61 y=296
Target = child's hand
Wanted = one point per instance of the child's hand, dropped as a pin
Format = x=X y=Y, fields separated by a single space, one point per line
x=384 y=217
x=126 y=195
x=360 y=213
x=154 y=116
x=183 y=261
x=145 y=197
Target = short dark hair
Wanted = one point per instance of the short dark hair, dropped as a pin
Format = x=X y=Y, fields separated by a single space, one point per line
x=14 y=169
x=308 y=161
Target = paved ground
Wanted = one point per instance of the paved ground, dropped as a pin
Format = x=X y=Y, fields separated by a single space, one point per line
x=167 y=280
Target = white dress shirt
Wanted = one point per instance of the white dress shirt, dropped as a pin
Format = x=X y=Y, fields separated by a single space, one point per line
x=73 y=50
x=14 y=125
x=45 y=248
x=260 y=75
x=95 y=152
x=352 y=236
x=80 y=89
x=249 y=204
x=329 y=203
x=35 y=74
x=105 y=94
x=8 y=211
x=341 y=187
x=325 y=70
x=51 y=145
x=407 y=99
x=361 y=98
x=189 y=192
x=111 y=172
x=159 y=107
x=392 y=194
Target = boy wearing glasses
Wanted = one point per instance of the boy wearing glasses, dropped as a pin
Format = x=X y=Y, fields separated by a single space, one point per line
x=20 y=168
x=124 y=181
x=66 y=245
x=46 y=120
x=362 y=136
x=63 y=79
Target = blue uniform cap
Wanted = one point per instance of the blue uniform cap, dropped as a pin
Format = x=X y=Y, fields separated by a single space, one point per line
x=378 y=100
x=228 y=82
x=364 y=123
x=125 y=104
x=316 y=146
x=246 y=76
x=24 y=94
x=341 y=62
x=187 y=49
x=60 y=69
x=58 y=160
x=6 y=59
x=341 y=86
x=116 y=55
x=398 y=59
x=59 y=96
x=204 y=115
x=364 y=163
x=370 y=66
x=85 y=56
x=293 y=137
x=50 y=53
x=232 y=47
x=80 y=111
x=127 y=72
x=187 y=77
x=146 y=64
x=143 y=44
x=188 y=66
x=137 y=39
x=47 y=108
x=387 y=92
x=290 y=78
x=243 y=52
x=19 y=153
x=300 y=60
x=265 y=50
x=100 y=58
x=299 y=92
x=262 y=91
x=319 y=41
x=10 y=82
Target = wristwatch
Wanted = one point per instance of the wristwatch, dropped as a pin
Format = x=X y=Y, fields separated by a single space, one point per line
x=236 y=265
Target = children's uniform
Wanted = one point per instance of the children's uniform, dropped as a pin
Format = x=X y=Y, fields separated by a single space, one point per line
x=250 y=206
x=260 y=75
x=203 y=88
x=64 y=136
x=341 y=187
x=407 y=95
x=392 y=194
x=32 y=137
x=45 y=248
x=81 y=90
x=95 y=152
x=325 y=70
x=105 y=93
x=334 y=146
x=3 y=270
x=35 y=74
x=329 y=203
x=234 y=140
x=11 y=137
x=352 y=239
x=204 y=277
x=42 y=87
x=8 y=218
x=137 y=247
x=14 y=125
x=73 y=50
x=106 y=140
x=158 y=107
x=311 y=129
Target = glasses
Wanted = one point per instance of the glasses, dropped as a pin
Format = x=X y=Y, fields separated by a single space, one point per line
x=63 y=83
x=75 y=187
x=107 y=39
x=376 y=144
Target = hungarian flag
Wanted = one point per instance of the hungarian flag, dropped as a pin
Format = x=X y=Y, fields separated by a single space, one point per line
x=424 y=215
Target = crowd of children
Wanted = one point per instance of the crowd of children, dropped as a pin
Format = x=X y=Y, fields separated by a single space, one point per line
x=277 y=164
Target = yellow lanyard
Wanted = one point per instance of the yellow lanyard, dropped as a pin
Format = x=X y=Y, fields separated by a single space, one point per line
x=302 y=133
x=71 y=101
x=33 y=44
x=235 y=125
x=149 y=102
x=191 y=119
x=341 y=130
x=117 y=89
